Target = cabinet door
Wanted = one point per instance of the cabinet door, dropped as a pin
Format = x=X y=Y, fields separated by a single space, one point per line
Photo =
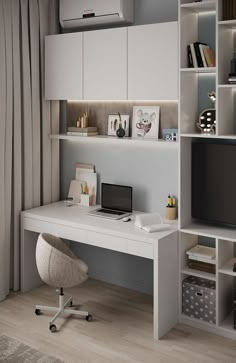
x=105 y=64
x=63 y=67
x=153 y=62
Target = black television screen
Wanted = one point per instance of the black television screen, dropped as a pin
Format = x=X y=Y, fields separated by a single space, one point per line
x=214 y=182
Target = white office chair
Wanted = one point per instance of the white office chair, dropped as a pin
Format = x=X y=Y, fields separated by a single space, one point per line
x=59 y=267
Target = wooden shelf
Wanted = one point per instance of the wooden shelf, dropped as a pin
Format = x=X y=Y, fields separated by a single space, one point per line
x=228 y=136
x=227 y=86
x=211 y=230
x=228 y=267
x=200 y=7
x=201 y=136
x=231 y=24
x=199 y=70
x=205 y=275
x=115 y=140
x=186 y=318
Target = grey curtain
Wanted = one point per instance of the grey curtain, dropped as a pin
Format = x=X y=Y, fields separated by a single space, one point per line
x=29 y=162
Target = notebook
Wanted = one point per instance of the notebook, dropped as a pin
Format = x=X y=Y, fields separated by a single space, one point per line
x=116 y=201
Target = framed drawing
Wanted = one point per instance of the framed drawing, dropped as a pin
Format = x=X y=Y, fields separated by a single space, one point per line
x=114 y=122
x=146 y=122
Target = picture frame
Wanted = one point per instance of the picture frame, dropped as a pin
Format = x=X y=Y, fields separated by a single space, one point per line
x=114 y=122
x=146 y=122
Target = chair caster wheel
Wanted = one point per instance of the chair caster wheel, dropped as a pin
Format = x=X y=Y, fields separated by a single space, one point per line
x=37 y=312
x=89 y=317
x=52 y=328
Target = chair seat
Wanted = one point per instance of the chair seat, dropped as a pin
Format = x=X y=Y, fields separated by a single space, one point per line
x=57 y=265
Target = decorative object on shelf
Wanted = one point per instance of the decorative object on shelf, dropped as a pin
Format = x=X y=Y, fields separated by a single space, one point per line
x=145 y=122
x=84 y=120
x=116 y=122
x=121 y=131
x=171 y=208
x=199 y=299
x=170 y=134
x=229 y=9
x=232 y=74
x=207 y=119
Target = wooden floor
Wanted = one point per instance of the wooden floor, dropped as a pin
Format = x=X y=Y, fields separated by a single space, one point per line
x=121 y=330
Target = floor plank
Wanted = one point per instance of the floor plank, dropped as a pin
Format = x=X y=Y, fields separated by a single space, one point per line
x=120 y=332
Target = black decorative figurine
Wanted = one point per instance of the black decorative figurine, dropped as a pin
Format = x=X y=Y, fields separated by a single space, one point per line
x=120 y=132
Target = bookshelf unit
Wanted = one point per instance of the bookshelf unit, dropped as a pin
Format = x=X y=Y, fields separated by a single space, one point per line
x=193 y=83
x=193 y=17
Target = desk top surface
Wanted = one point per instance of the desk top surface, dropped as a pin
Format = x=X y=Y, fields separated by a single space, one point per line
x=77 y=217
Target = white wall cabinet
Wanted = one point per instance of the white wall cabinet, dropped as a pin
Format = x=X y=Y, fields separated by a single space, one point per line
x=135 y=63
x=153 y=62
x=64 y=67
x=105 y=64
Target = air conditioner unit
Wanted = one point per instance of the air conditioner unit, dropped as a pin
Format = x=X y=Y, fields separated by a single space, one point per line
x=94 y=13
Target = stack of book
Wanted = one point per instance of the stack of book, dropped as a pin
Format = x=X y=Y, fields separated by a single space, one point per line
x=82 y=131
x=229 y=9
x=202 y=258
x=200 y=55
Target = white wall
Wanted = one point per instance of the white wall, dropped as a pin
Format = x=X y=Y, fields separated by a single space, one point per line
x=152 y=173
x=155 y=11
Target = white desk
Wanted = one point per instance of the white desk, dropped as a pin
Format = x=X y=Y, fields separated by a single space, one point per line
x=74 y=224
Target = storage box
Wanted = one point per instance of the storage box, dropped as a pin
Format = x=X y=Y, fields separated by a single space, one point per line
x=199 y=298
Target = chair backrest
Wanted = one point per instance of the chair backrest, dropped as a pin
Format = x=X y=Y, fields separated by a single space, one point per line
x=56 y=263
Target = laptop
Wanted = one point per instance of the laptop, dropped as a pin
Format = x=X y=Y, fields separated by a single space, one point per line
x=116 y=201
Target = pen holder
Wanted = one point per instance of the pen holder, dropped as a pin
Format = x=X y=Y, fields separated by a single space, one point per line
x=170 y=213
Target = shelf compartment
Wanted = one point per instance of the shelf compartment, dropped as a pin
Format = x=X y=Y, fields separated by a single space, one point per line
x=227 y=268
x=227 y=324
x=200 y=7
x=231 y=24
x=226 y=110
x=115 y=140
x=195 y=86
x=199 y=70
x=191 y=272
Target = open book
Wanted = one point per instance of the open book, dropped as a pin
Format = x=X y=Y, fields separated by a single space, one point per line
x=151 y=222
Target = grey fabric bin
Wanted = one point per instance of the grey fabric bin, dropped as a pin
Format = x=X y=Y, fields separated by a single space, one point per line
x=199 y=299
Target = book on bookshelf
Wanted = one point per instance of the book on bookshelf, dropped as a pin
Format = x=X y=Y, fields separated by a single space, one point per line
x=201 y=47
x=209 y=56
x=190 y=58
x=195 y=63
x=85 y=134
x=200 y=55
x=82 y=129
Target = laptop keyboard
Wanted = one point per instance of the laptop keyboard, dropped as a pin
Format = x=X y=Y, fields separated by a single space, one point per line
x=108 y=211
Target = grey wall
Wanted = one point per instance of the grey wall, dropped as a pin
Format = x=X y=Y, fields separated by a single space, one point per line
x=151 y=171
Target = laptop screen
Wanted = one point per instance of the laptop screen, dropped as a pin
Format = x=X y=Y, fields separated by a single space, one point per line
x=117 y=197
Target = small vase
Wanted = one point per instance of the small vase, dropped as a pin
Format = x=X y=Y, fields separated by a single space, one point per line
x=120 y=132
